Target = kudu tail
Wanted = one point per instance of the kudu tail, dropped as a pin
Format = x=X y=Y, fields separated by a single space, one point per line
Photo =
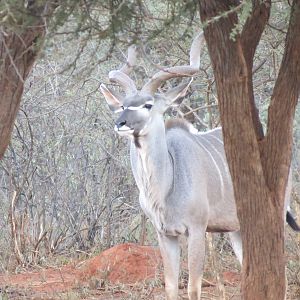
x=292 y=222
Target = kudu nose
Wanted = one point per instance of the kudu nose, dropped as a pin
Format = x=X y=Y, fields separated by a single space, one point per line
x=120 y=124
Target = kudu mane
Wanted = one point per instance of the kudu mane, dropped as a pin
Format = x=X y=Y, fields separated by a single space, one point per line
x=178 y=123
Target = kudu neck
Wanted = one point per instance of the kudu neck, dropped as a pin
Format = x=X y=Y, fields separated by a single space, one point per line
x=153 y=150
x=153 y=141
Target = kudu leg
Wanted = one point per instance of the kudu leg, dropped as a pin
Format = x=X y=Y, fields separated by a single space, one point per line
x=236 y=243
x=196 y=256
x=170 y=252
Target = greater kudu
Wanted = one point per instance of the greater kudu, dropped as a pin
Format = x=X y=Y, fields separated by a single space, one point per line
x=182 y=175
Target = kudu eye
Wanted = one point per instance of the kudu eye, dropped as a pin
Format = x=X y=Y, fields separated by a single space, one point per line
x=148 y=106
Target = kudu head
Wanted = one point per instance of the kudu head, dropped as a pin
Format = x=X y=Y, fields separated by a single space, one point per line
x=139 y=108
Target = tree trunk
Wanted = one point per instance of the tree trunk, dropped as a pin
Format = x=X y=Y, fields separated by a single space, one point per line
x=19 y=49
x=259 y=165
x=18 y=52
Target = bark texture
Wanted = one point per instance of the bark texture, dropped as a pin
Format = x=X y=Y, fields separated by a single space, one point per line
x=19 y=49
x=18 y=52
x=259 y=164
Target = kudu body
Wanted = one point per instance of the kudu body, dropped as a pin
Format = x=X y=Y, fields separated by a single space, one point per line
x=182 y=175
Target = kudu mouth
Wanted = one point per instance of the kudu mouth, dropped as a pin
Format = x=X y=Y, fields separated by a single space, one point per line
x=121 y=126
x=123 y=129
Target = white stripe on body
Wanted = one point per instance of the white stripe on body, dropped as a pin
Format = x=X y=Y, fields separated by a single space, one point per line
x=216 y=165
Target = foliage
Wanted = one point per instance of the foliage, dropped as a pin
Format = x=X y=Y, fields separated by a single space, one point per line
x=17 y=15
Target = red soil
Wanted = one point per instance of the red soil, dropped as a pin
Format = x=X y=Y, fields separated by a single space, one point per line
x=126 y=263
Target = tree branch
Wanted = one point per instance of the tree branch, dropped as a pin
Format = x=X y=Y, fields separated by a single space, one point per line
x=254 y=28
x=282 y=107
x=250 y=38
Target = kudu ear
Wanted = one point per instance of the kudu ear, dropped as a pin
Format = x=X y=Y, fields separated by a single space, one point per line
x=175 y=95
x=112 y=100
